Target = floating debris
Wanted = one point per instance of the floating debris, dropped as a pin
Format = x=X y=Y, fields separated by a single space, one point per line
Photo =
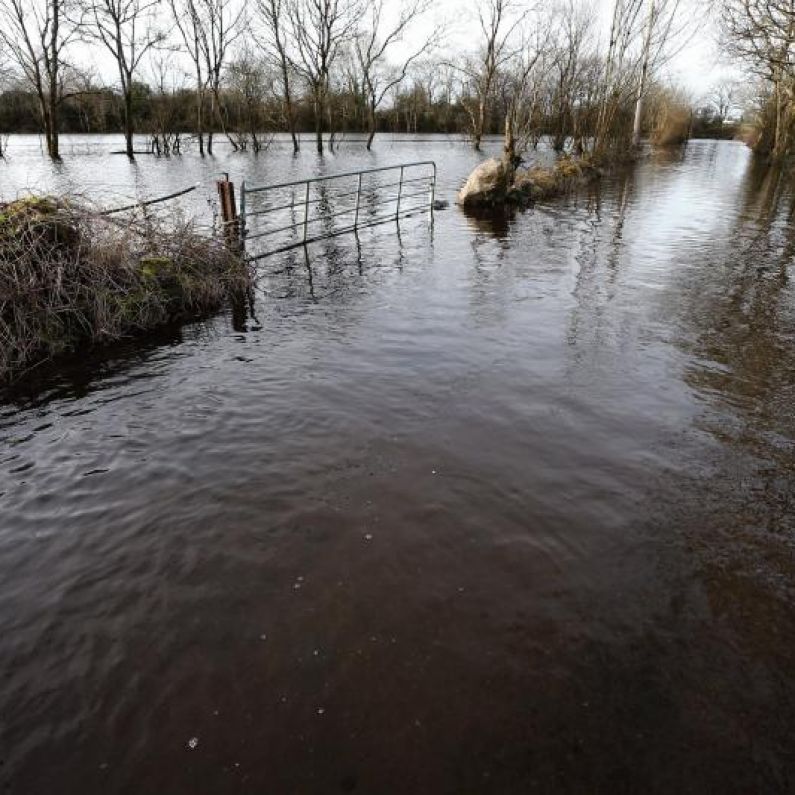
x=192 y=743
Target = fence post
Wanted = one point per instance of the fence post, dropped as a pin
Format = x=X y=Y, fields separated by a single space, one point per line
x=226 y=194
x=358 y=199
x=400 y=193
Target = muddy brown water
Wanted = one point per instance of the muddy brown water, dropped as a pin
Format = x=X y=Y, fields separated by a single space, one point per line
x=498 y=506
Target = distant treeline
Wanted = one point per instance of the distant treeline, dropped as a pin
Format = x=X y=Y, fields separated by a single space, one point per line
x=240 y=70
x=101 y=110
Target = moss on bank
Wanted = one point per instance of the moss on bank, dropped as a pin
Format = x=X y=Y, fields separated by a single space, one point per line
x=71 y=278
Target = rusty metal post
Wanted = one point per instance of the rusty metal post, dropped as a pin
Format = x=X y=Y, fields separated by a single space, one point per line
x=226 y=195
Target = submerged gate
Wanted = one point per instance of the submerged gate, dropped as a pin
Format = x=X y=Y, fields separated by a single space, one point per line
x=292 y=214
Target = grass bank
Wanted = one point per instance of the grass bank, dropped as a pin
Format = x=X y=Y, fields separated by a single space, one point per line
x=71 y=278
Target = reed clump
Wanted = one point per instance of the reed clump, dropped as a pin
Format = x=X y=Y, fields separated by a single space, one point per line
x=70 y=277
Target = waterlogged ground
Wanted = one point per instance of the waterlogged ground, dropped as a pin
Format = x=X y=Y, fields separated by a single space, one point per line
x=493 y=506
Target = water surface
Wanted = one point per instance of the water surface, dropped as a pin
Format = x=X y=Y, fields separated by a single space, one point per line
x=495 y=505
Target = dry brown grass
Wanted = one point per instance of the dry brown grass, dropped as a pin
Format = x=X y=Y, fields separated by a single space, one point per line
x=670 y=112
x=70 y=278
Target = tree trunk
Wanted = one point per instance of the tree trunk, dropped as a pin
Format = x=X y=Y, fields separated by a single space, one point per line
x=45 y=120
x=318 y=123
x=52 y=99
x=509 y=146
x=296 y=147
x=220 y=112
x=643 y=76
x=480 y=122
x=128 y=124
x=777 y=125
x=370 y=127
x=54 y=144
x=200 y=113
x=288 y=106
x=636 y=126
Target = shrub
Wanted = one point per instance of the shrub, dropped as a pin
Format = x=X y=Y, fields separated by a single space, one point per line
x=671 y=117
x=70 y=277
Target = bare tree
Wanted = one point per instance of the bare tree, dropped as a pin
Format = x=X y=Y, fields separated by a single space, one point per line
x=571 y=32
x=761 y=33
x=36 y=34
x=320 y=29
x=722 y=98
x=373 y=45
x=617 y=85
x=224 y=24
x=666 y=32
x=164 y=124
x=644 y=74
x=128 y=30
x=250 y=85
x=189 y=23
x=208 y=29
x=498 y=20
x=272 y=14
x=524 y=77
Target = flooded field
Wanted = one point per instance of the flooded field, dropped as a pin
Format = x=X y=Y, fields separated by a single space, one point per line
x=489 y=506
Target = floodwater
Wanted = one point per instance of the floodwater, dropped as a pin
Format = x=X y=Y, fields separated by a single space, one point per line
x=490 y=506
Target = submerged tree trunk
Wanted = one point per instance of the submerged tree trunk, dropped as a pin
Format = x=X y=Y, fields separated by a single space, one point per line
x=509 y=156
x=47 y=108
x=781 y=121
x=45 y=121
x=371 y=125
x=52 y=99
x=318 y=122
x=128 y=124
x=289 y=111
x=220 y=111
x=54 y=142
x=480 y=123
x=199 y=112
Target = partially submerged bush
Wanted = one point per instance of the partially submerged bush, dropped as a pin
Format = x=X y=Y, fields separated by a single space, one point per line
x=487 y=188
x=70 y=277
x=539 y=182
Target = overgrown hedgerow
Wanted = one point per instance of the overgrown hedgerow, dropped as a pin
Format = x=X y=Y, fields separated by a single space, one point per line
x=70 y=277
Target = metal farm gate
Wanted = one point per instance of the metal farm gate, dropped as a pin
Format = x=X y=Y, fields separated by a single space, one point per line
x=291 y=214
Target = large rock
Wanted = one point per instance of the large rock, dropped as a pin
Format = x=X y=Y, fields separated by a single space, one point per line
x=486 y=186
